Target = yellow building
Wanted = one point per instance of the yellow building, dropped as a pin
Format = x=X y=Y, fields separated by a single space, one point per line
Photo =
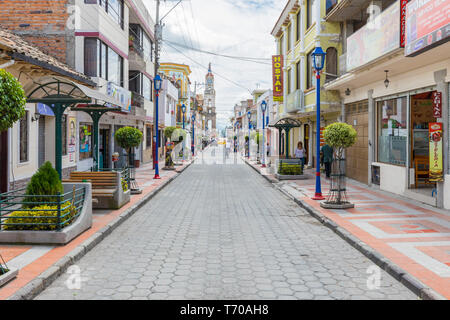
x=180 y=73
x=299 y=29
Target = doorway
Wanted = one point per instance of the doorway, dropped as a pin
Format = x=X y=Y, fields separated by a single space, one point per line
x=306 y=140
x=104 y=153
x=41 y=141
x=421 y=116
x=4 y=161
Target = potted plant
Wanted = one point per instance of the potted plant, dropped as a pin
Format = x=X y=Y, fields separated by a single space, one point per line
x=339 y=136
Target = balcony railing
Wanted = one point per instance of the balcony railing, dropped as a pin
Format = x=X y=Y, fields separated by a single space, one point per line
x=137 y=100
x=295 y=101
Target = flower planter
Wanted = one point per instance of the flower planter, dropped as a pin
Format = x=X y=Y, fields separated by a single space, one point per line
x=8 y=276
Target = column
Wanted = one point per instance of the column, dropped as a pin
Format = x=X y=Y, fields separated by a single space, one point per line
x=372 y=137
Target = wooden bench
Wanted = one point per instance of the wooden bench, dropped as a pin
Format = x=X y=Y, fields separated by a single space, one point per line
x=106 y=187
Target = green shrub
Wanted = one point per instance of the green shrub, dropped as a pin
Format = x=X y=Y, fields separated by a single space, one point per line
x=36 y=215
x=124 y=185
x=44 y=182
x=12 y=100
x=339 y=136
x=289 y=169
x=128 y=137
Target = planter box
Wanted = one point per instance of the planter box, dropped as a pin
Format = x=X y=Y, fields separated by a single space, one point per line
x=81 y=224
x=292 y=177
x=7 y=277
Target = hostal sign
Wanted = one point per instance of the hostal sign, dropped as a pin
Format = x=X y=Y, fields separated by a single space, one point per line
x=277 y=72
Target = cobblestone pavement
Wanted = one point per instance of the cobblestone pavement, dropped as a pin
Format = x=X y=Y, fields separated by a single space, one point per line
x=223 y=232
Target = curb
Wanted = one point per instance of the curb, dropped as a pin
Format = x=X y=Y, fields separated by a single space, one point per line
x=409 y=281
x=37 y=285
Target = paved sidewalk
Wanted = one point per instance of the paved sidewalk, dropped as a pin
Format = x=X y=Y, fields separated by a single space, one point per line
x=220 y=231
x=415 y=237
x=33 y=260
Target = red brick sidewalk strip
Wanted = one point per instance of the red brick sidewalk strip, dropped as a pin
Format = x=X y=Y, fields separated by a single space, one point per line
x=39 y=274
x=410 y=242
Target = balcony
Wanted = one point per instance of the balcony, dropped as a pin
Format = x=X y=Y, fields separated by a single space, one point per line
x=345 y=10
x=137 y=100
x=295 y=102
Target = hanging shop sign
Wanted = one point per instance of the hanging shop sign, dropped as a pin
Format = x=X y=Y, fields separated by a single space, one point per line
x=403 y=4
x=437 y=104
x=277 y=73
x=377 y=38
x=427 y=25
x=121 y=96
x=436 y=163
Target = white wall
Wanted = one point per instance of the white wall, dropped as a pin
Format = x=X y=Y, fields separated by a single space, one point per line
x=392 y=178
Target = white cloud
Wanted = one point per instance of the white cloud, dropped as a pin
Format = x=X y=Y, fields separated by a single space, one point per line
x=231 y=27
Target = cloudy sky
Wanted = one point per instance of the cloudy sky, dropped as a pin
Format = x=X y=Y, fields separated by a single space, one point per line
x=228 y=27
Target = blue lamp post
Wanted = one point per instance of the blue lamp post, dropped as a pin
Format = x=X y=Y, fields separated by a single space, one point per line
x=193 y=135
x=183 y=109
x=263 y=109
x=318 y=57
x=158 y=82
x=249 y=115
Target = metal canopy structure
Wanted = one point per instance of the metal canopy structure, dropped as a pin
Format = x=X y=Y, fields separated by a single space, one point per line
x=59 y=94
x=95 y=111
x=285 y=124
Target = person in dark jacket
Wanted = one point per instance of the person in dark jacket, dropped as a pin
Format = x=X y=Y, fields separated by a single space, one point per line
x=327 y=152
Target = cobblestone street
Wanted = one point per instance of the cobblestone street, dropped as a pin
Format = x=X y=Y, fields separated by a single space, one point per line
x=221 y=231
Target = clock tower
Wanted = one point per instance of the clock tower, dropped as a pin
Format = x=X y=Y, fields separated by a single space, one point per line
x=210 y=99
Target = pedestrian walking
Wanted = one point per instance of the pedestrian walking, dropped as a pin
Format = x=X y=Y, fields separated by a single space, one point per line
x=227 y=148
x=300 y=153
x=327 y=157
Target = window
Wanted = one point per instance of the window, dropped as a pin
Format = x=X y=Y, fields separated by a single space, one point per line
x=142 y=42
x=114 y=9
x=147 y=88
x=297 y=75
x=64 y=134
x=392 y=131
x=299 y=25
x=288 y=84
x=134 y=82
x=330 y=4
x=309 y=71
x=85 y=141
x=331 y=62
x=148 y=48
x=311 y=16
x=23 y=137
x=102 y=61
x=148 y=137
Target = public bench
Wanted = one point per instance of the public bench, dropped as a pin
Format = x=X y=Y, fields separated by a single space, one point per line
x=107 y=191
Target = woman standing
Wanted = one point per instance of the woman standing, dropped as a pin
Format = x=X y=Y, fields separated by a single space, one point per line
x=300 y=152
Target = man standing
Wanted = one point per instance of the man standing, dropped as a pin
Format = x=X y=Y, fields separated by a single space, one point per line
x=327 y=152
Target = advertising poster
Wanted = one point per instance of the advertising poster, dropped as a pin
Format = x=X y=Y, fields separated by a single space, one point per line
x=436 y=163
x=277 y=72
x=427 y=25
x=85 y=138
x=375 y=39
x=72 y=138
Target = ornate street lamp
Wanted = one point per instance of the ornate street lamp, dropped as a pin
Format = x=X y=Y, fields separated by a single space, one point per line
x=193 y=135
x=263 y=109
x=158 y=83
x=318 y=57
x=249 y=115
x=183 y=109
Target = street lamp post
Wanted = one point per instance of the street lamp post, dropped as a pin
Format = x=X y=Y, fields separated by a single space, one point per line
x=249 y=115
x=193 y=135
x=158 y=82
x=183 y=109
x=263 y=109
x=318 y=57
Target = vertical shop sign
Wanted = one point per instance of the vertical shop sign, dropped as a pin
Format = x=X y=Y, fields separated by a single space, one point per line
x=436 y=163
x=72 y=138
x=437 y=104
x=403 y=4
x=322 y=140
x=277 y=73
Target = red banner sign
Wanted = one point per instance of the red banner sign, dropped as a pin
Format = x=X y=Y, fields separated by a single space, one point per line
x=436 y=163
x=437 y=104
x=277 y=73
x=403 y=4
x=322 y=140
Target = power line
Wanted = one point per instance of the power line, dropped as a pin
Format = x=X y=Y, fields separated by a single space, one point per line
x=225 y=78
x=247 y=59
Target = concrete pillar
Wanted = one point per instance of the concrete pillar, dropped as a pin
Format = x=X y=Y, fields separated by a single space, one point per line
x=442 y=86
x=372 y=113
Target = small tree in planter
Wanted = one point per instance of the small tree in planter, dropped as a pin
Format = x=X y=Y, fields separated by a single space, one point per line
x=12 y=100
x=128 y=138
x=339 y=136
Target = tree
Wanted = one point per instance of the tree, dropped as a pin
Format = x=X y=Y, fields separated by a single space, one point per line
x=339 y=136
x=12 y=100
x=128 y=138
